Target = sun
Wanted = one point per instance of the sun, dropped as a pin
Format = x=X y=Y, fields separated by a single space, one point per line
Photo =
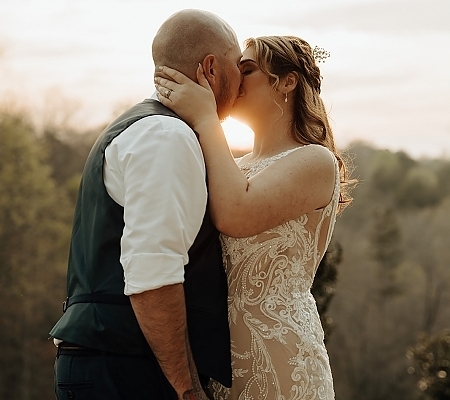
x=239 y=136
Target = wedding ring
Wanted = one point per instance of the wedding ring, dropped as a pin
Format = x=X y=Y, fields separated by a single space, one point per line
x=168 y=93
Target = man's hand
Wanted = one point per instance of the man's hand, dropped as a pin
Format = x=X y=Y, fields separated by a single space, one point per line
x=195 y=395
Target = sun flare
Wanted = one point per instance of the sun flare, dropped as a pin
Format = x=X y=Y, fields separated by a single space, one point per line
x=239 y=136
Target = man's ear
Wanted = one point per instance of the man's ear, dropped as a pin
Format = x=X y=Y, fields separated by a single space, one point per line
x=209 y=65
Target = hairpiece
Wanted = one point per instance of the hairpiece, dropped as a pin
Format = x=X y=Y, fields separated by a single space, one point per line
x=320 y=54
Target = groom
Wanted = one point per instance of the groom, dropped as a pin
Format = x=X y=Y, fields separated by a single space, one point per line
x=146 y=314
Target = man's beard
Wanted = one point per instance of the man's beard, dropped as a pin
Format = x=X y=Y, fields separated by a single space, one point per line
x=224 y=98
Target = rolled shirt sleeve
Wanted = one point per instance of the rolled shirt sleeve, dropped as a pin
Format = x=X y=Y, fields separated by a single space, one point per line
x=155 y=170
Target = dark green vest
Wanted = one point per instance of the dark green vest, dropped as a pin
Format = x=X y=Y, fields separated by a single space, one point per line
x=106 y=321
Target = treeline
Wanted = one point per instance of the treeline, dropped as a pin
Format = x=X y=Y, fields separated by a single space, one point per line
x=391 y=310
x=39 y=177
x=382 y=289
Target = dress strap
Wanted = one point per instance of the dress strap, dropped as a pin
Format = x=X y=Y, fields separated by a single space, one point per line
x=287 y=152
x=331 y=208
x=275 y=157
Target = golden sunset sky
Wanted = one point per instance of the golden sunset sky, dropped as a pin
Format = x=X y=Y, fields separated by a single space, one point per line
x=387 y=81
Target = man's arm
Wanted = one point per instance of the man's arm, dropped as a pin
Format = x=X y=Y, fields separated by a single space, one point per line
x=162 y=318
x=155 y=170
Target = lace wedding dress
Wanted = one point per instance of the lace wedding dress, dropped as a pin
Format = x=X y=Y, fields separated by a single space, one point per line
x=276 y=335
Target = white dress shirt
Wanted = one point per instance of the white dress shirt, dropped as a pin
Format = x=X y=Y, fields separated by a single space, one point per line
x=155 y=170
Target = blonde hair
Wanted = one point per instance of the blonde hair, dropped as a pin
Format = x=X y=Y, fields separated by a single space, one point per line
x=277 y=56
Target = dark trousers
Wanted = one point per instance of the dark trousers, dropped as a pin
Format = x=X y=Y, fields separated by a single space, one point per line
x=96 y=375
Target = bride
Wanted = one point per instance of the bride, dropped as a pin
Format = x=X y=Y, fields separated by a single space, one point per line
x=275 y=208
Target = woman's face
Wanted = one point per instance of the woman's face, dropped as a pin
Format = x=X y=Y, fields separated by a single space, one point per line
x=256 y=95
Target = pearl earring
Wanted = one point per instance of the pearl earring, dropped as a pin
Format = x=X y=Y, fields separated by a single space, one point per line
x=285 y=99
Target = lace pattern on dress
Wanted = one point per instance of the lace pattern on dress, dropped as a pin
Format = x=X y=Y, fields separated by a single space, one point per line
x=277 y=339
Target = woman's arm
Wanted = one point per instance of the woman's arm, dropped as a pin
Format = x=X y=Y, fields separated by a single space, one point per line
x=294 y=185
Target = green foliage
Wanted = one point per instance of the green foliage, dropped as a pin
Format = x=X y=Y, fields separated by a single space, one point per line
x=407 y=183
x=386 y=250
x=388 y=170
x=394 y=282
x=34 y=234
x=430 y=365
x=419 y=188
x=394 y=236
x=324 y=285
x=386 y=239
x=66 y=155
x=443 y=174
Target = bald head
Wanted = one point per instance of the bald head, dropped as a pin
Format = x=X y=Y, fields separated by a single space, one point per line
x=187 y=36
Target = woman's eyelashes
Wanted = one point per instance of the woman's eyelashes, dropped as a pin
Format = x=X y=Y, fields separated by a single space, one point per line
x=246 y=71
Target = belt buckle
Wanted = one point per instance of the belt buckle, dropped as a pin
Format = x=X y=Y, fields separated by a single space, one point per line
x=64 y=305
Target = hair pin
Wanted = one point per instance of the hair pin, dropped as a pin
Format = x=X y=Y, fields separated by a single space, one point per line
x=320 y=54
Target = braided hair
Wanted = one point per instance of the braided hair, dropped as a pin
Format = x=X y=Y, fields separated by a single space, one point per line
x=277 y=56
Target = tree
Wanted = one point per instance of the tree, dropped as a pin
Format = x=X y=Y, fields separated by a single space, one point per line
x=34 y=234
x=443 y=172
x=386 y=251
x=66 y=160
x=388 y=170
x=419 y=188
x=324 y=283
x=426 y=233
x=430 y=364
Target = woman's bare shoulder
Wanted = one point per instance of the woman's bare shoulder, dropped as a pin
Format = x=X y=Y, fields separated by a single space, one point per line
x=311 y=157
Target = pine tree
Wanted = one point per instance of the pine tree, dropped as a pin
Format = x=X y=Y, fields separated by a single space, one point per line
x=324 y=283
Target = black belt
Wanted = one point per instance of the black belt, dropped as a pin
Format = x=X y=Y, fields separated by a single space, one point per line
x=71 y=349
x=65 y=348
x=105 y=298
x=71 y=346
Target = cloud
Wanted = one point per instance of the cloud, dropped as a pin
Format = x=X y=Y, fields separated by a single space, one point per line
x=365 y=82
x=387 y=16
x=387 y=79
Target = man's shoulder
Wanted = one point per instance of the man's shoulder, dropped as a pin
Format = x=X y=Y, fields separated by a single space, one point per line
x=157 y=131
x=164 y=124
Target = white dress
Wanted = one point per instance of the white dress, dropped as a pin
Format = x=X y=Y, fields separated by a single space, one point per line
x=276 y=335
